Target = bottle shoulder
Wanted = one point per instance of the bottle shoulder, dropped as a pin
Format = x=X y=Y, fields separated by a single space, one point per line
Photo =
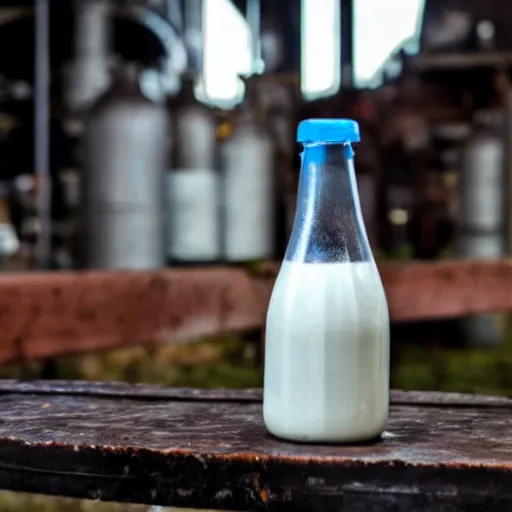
x=361 y=277
x=339 y=297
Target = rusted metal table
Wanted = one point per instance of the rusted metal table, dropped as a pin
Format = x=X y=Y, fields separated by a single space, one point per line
x=209 y=449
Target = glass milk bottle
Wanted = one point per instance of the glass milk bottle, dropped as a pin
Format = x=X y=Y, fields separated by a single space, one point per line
x=327 y=333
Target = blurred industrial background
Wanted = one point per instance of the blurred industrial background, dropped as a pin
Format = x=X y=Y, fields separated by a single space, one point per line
x=149 y=133
x=202 y=99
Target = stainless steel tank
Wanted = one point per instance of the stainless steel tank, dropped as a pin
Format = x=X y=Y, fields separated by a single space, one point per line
x=483 y=219
x=89 y=75
x=483 y=183
x=249 y=184
x=126 y=151
x=193 y=182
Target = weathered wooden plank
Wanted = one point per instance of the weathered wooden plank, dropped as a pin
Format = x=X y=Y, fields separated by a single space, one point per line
x=149 y=392
x=447 y=289
x=217 y=454
x=49 y=314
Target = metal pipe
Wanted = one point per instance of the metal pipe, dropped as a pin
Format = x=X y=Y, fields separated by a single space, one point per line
x=175 y=14
x=346 y=41
x=42 y=131
x=253 y=17
x=89 y=75
x=92 y=36
x=193 y=33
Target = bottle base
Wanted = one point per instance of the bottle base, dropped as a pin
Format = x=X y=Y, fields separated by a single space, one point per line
x=312 y=438
x=327 y=431
x=328 y=441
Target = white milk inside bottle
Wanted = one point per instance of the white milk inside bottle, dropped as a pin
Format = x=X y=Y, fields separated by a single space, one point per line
x=327 y=332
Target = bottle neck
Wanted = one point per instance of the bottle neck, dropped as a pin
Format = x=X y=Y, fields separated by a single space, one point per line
x=328 y=224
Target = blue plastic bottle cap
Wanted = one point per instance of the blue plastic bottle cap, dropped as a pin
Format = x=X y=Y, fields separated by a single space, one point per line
x=328 y=130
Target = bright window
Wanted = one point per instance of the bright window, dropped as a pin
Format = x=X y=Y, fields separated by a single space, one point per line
x=380 y=28
x=320 y=48
x=227 y=53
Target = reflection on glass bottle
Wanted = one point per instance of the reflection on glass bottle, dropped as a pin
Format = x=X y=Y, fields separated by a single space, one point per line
x=327 y=333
